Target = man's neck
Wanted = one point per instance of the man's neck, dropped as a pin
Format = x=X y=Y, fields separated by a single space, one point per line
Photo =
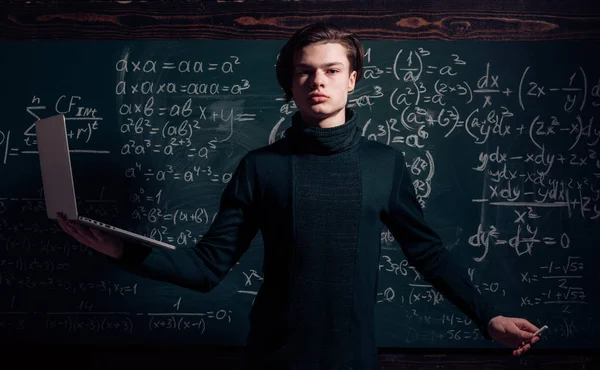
x=335 y=120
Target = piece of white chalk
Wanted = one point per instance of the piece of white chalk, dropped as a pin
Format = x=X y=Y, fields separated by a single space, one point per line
x=540 y=330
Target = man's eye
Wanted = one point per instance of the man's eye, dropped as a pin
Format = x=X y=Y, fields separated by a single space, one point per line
x=333 y=71
x=301 y=73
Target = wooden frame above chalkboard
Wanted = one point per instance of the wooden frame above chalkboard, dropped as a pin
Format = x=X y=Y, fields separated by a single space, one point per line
x=255 y=19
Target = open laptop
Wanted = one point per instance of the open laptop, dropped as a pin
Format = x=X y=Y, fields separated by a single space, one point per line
x=57 y=179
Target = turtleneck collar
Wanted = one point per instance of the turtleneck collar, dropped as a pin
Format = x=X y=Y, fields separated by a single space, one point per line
x=324 y=141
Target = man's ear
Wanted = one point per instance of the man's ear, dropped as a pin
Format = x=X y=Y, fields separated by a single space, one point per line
x=352 y=81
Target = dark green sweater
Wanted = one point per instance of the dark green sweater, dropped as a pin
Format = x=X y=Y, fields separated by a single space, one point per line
x=320 y=198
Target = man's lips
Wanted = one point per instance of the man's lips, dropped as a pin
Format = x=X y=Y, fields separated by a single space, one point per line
x=317 y=98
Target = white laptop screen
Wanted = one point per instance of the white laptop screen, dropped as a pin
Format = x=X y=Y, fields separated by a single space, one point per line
x=55 y=164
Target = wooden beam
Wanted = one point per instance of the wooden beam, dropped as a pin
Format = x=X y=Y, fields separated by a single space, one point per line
x=237 y=19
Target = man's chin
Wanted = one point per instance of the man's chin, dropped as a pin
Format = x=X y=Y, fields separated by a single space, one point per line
x=321 y=111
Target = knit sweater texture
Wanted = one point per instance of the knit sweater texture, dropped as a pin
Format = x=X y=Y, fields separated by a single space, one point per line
x=320 y=197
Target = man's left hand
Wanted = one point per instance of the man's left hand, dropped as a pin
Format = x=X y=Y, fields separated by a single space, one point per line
x=513 y=332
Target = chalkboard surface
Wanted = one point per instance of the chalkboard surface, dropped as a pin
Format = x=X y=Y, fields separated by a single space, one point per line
x=501 y=139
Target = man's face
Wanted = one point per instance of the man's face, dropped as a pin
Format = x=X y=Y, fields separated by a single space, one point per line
x=322 y=80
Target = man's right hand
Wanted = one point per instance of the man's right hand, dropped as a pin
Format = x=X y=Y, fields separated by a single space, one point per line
x=102 y=242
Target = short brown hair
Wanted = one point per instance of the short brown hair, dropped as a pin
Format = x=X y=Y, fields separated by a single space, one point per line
x=317 y=33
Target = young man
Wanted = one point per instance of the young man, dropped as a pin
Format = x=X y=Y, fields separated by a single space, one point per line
x=320 y=197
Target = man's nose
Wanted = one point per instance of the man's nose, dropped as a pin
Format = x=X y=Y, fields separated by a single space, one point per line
x=318 y=79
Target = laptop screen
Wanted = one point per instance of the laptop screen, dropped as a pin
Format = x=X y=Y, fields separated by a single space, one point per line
x=55 y=165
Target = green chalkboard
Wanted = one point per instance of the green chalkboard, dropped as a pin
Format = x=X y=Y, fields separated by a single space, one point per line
x=501 y=139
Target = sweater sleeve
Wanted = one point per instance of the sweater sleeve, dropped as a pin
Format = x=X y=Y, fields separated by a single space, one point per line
x=204 y=265
x=424 y=249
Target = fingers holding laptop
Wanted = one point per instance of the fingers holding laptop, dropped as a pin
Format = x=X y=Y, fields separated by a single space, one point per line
x=102 y=242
